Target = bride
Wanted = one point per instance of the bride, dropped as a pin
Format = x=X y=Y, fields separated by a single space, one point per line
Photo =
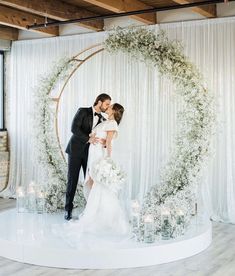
x=103 y=215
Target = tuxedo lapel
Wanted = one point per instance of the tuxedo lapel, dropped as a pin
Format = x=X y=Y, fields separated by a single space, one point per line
x=90 y=117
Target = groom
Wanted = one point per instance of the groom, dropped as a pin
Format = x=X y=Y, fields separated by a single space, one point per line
x=83 y=122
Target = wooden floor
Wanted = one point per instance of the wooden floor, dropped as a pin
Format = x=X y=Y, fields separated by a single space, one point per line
x=217 y=260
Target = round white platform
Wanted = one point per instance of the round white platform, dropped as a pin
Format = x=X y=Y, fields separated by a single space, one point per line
x=29 y=238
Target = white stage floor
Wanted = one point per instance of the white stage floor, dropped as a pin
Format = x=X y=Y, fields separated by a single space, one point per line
x=30 y=238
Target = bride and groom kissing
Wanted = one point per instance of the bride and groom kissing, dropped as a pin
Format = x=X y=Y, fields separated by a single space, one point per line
x=91 y=140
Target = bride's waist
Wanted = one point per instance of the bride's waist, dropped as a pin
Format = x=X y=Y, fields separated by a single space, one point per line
x=99 y=143
x=100 y=139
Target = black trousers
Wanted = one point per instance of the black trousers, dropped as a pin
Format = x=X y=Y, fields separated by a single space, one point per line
x=74 y=165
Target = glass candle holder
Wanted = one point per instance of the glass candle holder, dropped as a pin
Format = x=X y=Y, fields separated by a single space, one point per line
x=179 y=217
x=180 y=222
x=194 y=207
x=165 y=224
x=21 y=200
x=135 y=207
x=31 y=196
x=135 y=221
x=135 y=225
x=149 y=236
x=135 y=214
x=40 y=201
x=135 y=217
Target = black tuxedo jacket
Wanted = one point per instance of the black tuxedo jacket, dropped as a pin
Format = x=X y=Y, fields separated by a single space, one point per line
x=81 y=128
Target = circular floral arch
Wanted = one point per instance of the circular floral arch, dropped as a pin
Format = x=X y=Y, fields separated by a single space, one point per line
x=192 y=141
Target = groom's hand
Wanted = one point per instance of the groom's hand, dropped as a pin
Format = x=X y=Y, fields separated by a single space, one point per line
x=93 y=139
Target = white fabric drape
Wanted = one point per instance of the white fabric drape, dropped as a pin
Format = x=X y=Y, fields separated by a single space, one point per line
x=146 y=132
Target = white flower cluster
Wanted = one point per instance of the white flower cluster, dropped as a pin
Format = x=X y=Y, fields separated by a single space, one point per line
x=196 y=120
x=107 y=173
x=48 y=151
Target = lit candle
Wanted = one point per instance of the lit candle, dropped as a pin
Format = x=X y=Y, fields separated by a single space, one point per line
x=179 y=229
x=165 y=215
x=165 y=212
x=165 y=224
x=20 y=199
x=20 y=192
x=179 y=216
x=31 y=188
x=40 y=194
x=135 y=217
x=149 y=229
x=135 y=207
x=31 y=197
x=148 y=219
x=40 y=201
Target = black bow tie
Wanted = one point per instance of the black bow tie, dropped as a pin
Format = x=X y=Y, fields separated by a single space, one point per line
x=98 y=114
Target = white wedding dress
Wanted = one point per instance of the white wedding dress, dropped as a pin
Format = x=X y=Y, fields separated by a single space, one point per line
x=97 y=151
x=103 y=220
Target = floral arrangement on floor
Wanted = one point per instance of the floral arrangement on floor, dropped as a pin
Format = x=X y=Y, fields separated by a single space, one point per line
x=196 y=122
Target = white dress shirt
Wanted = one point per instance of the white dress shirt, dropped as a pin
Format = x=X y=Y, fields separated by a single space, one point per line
x=95 y=118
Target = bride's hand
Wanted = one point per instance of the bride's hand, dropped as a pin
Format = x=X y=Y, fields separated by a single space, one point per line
x=103 y=142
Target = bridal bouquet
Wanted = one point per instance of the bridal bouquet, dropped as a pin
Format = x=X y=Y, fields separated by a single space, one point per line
x=107 y=173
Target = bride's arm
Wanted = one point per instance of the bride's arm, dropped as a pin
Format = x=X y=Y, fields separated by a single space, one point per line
x=109 y=142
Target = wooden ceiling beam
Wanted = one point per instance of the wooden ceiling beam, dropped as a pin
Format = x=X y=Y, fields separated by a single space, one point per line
x=55 y=10
x=207 y=11
x=20 y=20
x=8 y=33
x=120 y=6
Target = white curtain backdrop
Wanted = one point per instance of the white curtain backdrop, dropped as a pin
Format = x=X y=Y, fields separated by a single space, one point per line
x=147 y=130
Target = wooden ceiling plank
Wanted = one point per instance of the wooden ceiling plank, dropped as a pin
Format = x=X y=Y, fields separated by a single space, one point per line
x=8 y=33
x=119 y=6
x=207 y=10
x=55 y=10
x=20 y=20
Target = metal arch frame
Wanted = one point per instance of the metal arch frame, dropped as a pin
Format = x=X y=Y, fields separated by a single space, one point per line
x=80 y=63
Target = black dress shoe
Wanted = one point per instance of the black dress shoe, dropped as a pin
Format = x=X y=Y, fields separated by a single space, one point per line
x=68 y=215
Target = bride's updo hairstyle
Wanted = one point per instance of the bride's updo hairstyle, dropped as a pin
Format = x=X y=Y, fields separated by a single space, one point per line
x=118 y=112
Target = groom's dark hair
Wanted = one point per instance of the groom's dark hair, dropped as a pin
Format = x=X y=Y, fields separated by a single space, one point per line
x=102 y=97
